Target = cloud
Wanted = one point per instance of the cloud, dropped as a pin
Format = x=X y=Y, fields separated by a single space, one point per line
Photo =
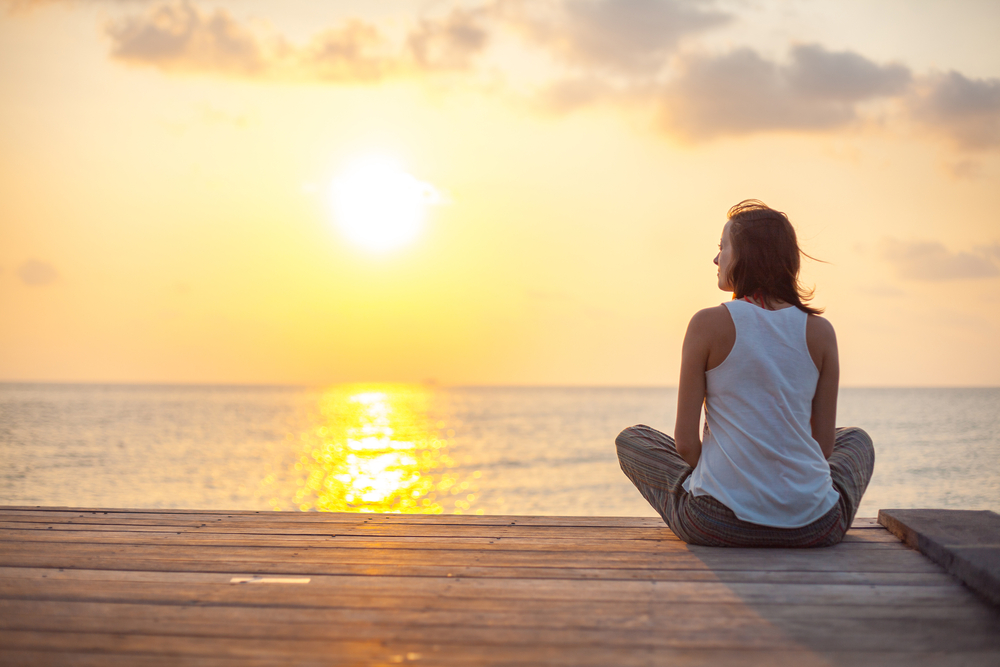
x=991 y=251
x=353 y=51
x=632 y=37
x=931 y=261
x=609 y=35
x=842 y=75
x=965 y=110
x=741 y=92
x=450 y=43
x=180 y=36
x=36 y=273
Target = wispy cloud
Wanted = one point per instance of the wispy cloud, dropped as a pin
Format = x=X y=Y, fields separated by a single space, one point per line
x=181 y=37
x=965 y=110
x=36 y=273
x=352 y=52
x=932 y=261
x=741 y=92
x=628 y=38
x=842 y=76
x=451 y=42
x=991 y=251
x=633 y=37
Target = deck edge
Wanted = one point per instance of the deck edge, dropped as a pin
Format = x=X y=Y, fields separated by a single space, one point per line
x=966 y=543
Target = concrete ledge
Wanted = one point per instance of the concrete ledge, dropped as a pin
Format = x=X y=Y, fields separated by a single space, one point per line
x=965 y=542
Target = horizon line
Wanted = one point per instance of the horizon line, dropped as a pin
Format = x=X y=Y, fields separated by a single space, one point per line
x=425 y=383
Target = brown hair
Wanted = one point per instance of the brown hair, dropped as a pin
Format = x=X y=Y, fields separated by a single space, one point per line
x=766 y=262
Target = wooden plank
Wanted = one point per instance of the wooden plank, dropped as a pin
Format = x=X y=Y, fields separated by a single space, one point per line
x=747 y=632
x=725 y=631
x=342 y=652
x=646 y=574
x=307 y=560
x=868 y=539
x=969 y=620
x=403 y=530
x=171 y=540
x=10 y=513
x=12 y=531
x=357 y=653
x=335 y=517
x=317 y=528
x=43 y=658
x=754 y=635
x=334 y=590
x=964 y=542
x=447 y=568
x=437 y=649
x=525 y=656
x=437 y=532
x=613 y=613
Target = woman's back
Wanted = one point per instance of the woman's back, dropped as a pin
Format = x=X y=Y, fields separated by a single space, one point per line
x=759 y=457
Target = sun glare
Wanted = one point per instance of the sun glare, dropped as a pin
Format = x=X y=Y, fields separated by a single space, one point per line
x=379 y=206
x=374 y=448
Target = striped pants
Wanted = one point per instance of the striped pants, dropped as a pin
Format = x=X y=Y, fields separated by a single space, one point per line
x=650 y=459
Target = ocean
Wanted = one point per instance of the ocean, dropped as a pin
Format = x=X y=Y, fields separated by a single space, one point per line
x=423 y=448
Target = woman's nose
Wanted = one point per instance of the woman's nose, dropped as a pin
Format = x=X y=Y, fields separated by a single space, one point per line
x=716 y=260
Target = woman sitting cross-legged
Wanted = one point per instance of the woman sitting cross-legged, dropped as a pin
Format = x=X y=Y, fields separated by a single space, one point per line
x=773 y=470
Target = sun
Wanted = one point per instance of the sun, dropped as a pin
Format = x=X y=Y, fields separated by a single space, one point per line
x=378 y=205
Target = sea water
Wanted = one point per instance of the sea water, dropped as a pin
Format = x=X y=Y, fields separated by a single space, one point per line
x=422 y=448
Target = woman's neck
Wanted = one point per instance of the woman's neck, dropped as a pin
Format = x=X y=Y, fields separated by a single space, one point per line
x=764 y=302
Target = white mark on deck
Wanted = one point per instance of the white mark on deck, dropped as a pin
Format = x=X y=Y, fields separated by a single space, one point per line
x=269 y=580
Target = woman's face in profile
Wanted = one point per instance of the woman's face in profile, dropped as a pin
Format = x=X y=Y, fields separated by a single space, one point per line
x=725 y=258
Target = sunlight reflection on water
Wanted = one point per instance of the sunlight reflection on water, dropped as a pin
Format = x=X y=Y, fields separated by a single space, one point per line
x=375 y=449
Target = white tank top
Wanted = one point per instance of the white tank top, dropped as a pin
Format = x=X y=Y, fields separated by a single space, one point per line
x=758 y=457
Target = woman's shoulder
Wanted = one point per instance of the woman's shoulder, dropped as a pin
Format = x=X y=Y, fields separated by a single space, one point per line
x=820 y=336
x=820 y=326
x=713 y=325
x=712 y=334
x=711 y=318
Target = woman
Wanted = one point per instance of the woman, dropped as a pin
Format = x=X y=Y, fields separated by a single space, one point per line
x=773 y=470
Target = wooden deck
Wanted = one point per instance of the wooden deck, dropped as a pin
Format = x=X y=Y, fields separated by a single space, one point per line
x=132 y=587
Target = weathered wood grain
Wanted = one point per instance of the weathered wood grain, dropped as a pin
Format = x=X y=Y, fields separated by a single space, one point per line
x=336 y=517
x=416 y=570
x=51 y=513
x=966 y=543
x=744 y=631
x=140 y=587
x=310 y=560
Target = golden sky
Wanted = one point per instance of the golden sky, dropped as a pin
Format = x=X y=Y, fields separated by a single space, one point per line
x=166 y=168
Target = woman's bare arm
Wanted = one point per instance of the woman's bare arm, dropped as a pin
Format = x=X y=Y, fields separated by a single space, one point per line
x=691 y=387
x=822 y=341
